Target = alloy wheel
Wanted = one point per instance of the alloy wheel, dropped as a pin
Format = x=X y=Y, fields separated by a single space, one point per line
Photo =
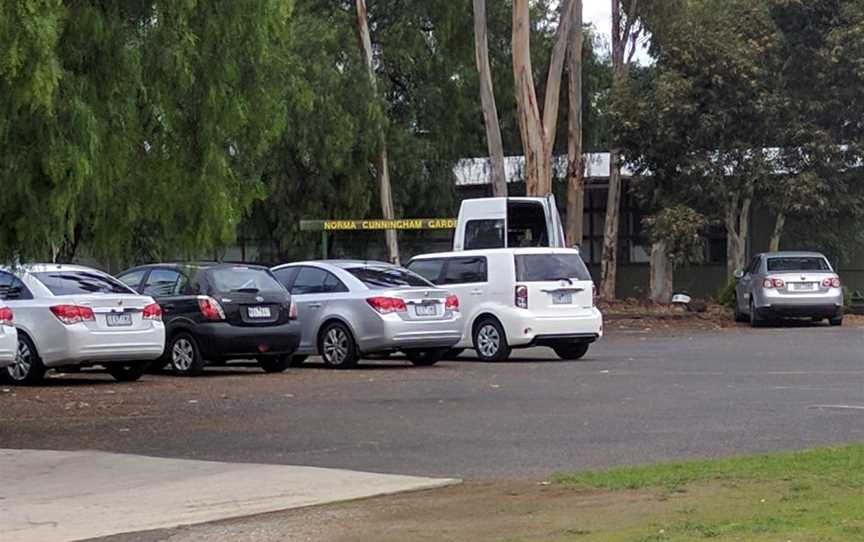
x=23 y=362
x=488 y=341
x=335 y=347
x=182 y=354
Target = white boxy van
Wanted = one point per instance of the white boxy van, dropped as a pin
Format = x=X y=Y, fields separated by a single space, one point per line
x=518 y=298
x=509 y=223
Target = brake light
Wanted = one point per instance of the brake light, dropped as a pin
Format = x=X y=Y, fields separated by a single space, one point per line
x=773 y=282
x=387 y=305
x=831 y=282
x=6 y=316
x=210 y=308
x=521 y=299
x=153 y=312
x=452 y=303
x=73 y=314
x=292 y=311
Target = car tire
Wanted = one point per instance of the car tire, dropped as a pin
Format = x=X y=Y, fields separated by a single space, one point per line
x=274 y=364
x=28 y=369
x=184 y=355
x=425 y=358
x=837 y=321
x=337 y=347
x=297 y=361
x=490 y=341
x=126 y=372
x=571 y=351
x=755 y=319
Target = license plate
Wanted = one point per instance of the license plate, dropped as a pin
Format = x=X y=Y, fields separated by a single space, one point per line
x=804 y=286
x=259 y=312
x=562 y=298
x=118 y=320
x=426 y=309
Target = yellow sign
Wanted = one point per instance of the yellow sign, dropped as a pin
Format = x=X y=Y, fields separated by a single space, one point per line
x=373 y=224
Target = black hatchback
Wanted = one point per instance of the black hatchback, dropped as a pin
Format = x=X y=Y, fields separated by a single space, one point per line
x=214 y=313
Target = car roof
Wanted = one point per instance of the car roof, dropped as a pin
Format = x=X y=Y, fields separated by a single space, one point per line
x=793 y=254
x=341 y=264
x=48 y=267
x=483 y=252
x=193 y=265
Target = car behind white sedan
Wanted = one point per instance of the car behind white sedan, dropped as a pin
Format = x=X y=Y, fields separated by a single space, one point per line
x=69 y=317
x=8 y=337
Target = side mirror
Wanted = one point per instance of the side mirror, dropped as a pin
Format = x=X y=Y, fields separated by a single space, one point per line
x=738 y=274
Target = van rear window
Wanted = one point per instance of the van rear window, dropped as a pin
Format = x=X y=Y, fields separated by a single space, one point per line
x=550 y=267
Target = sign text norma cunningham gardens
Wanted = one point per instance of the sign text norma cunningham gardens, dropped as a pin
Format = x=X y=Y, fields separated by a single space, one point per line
x=378 y=224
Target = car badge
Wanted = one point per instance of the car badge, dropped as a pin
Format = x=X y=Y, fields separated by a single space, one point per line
x=259 y=299
x=120 y=303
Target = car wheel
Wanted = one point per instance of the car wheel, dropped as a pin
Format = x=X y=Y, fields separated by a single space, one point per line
x=425 y=358
x=755 y=319
x=571 y=351
x=184 y=355
x=337 y=347
x=274 y=364
x=838 y=321
x=28 y=369
x=297 y=361
x=126 y=372
x=490 y=341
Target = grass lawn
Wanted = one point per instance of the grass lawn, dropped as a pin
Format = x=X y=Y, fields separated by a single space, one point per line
x=815 y=495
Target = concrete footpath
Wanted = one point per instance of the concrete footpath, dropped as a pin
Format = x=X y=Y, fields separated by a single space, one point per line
x=66 y=496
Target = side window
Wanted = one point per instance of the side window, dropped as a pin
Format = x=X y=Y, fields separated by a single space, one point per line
x=465 y=270
x=481 y=234
x=161 y=283
x=182 y=287
x=133 y=279
x=754 y=266
x=428 y=269
x=310 y=280
x=332 y=285
x=286 y=276
x=11 y=288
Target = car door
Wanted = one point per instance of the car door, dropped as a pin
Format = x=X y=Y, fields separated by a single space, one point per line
x=307 y=291
x=467 y=277
x=168 y=286
x=745 y=285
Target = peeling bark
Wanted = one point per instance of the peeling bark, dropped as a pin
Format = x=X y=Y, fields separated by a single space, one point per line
x=487 y=100
x=575 y=167
x=662 y=275
x=779 y=224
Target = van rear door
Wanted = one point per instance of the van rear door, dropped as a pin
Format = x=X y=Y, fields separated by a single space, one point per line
x=482 y=224
x=486 y=223
x=556 y=283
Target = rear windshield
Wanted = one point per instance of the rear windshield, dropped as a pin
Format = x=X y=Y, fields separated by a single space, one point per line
x=549 y=267
x=381 y=278
x=81 y=282
x=242 y=279
x=812 y=263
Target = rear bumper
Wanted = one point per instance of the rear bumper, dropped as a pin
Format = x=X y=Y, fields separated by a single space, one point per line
x=222 y=340
x=524 y=329
x=824 y=305
x=8 y=346
x=393 y=333
x=79 y=346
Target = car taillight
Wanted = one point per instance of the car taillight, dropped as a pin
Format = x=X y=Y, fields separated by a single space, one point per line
x=452 y=303
x=773 y=282
x=292 y=311
x=6 y=316
x=831 y=282
x=73 y=314
x=386 y=305
x=521 y=299
x=595 y=295
x=153 y=312
x=210 y=308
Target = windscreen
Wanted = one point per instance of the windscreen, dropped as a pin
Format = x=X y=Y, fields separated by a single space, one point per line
x=550 y=267
x=81 y=282
x=382 y=278
x=798 y=263
x=243 y=279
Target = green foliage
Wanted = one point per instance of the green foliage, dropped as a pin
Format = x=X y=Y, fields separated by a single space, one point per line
x=681 y=229
x=726 y=296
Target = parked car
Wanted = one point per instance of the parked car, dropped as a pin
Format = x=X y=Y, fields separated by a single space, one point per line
x=215 y=313
x=788 y=284
x=8 y=337
x=349 y=309
x=519 y=298
x=69 y=317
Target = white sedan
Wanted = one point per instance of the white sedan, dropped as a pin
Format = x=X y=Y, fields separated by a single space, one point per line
x=8 y=337
x=70 y=316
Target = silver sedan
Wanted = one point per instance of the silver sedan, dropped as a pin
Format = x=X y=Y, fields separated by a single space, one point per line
x=789 y=284
x=348 y=309
x=8 y=337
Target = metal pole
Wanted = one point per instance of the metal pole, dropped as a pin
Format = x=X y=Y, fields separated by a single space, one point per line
x=323 y=244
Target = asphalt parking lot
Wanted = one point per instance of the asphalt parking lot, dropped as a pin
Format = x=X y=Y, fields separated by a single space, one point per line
x=636 y=398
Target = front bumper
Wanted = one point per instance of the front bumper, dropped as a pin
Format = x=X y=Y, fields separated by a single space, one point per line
x=221 y=340
x=391 y=333
x=8 y=346
x=80 y=346
x=524 y=329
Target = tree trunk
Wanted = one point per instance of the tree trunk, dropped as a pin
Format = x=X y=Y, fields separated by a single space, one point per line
x=737 y=231
x=382 y=165
x=779 y=224
x=662 y=274
x=487 y=101
x=575 y=167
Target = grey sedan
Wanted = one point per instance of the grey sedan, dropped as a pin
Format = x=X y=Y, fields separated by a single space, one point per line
x=348 y=309
x=788 y=284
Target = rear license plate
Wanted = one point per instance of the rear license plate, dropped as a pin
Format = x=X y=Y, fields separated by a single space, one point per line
x=259 y=312
x=562 y=298
x=426 y=309
x=118 y=320
x=803 y=286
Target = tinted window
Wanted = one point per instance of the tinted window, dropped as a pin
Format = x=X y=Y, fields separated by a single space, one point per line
x=465 y=270
x=380 y=277
x=754 y=266
x=286 y=275
x=333 y=285
x=81 y=282
x=161 y=283
x=428 y=269
x=798 y=264
x=480 y=234
x=242 y=279
x=310 y=280
x=11 y=287
x=133 y=279
x=549 y=267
